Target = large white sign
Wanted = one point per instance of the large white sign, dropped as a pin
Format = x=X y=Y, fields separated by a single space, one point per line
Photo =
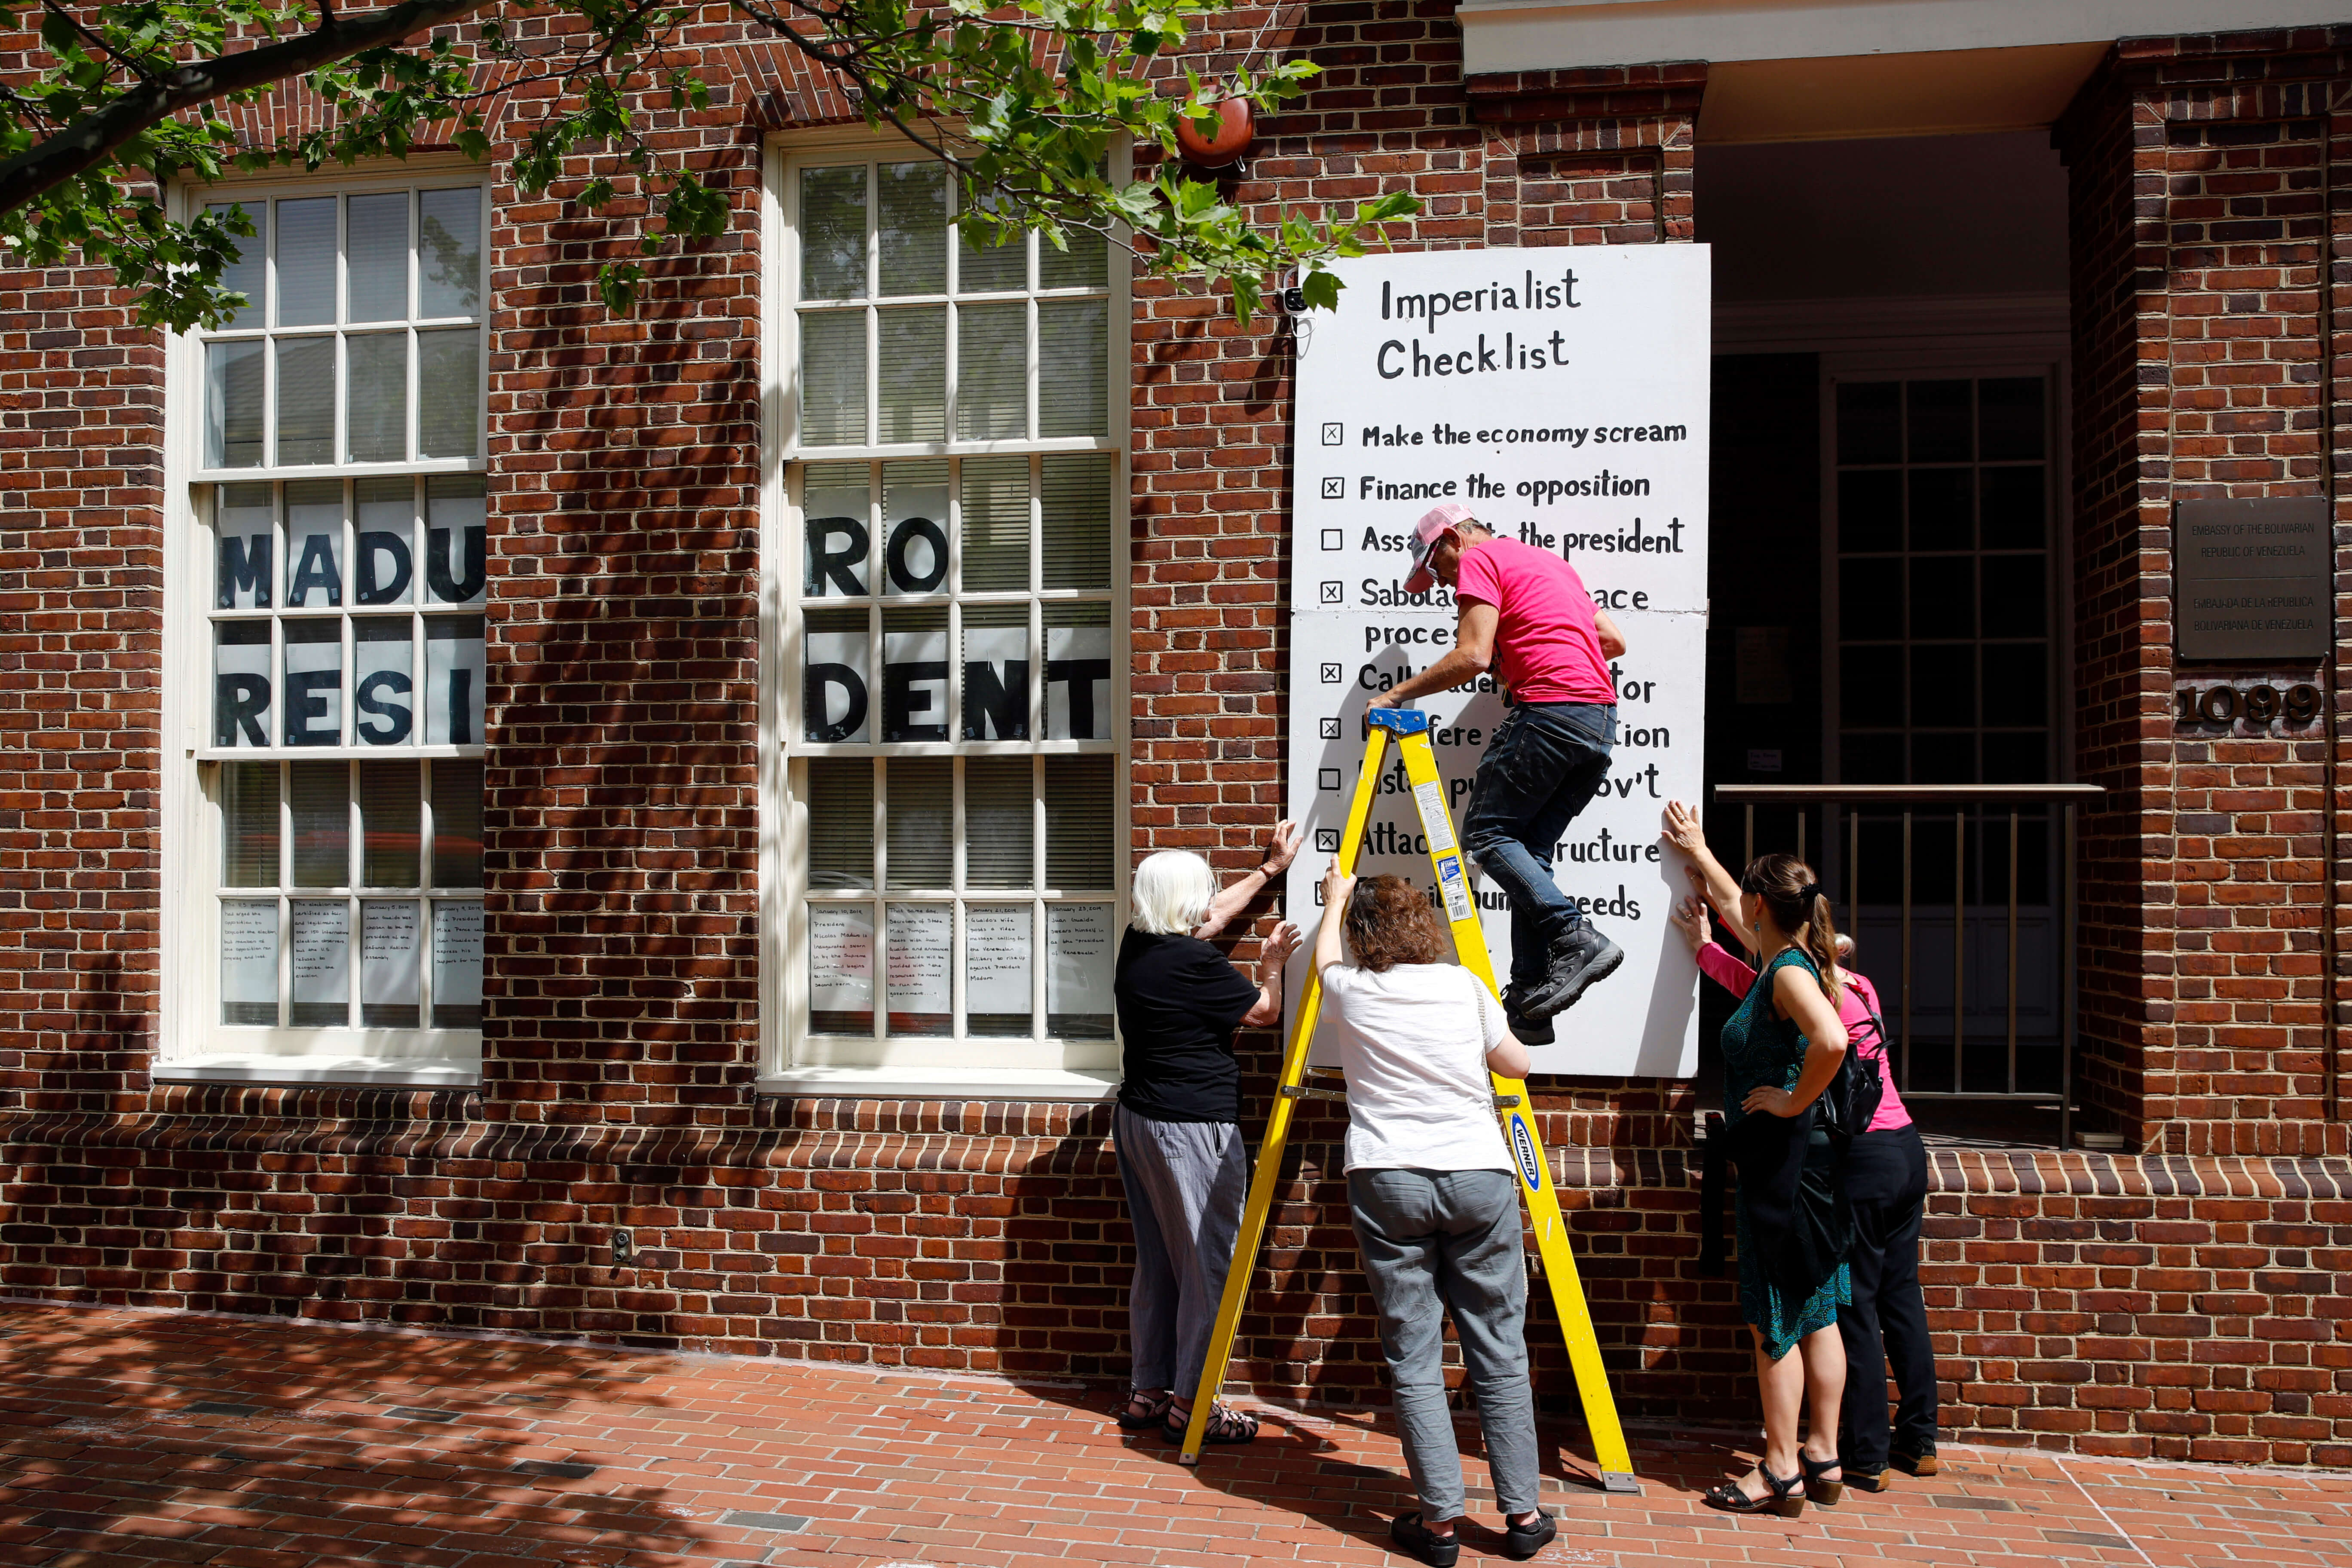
x=1561 y=395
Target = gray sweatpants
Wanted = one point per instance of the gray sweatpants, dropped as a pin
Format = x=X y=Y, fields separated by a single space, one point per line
x=1440 y=1239
x=1184 y=1181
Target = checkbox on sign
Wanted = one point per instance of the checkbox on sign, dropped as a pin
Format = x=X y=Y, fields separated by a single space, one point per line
x=1335 y=592
x=1332 y=540
x=1332 y=676
x=1335 y=434
x=1327 y=778
x=1330 y=728
x=1335 y=489
x=1326 y=841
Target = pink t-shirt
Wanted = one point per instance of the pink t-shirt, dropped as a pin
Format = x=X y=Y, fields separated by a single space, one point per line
x=1854 y=1013
x=1546 y=647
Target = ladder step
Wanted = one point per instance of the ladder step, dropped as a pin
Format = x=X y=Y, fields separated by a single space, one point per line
x=1301 y=1092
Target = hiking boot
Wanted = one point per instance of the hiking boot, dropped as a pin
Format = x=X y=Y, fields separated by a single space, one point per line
x=1577 y=959
x=1530 y=1031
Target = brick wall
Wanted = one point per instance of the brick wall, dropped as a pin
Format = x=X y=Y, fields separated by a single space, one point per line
x=2139 y=1305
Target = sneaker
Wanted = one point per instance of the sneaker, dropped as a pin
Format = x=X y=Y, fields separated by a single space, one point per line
x=1530 y=1031
x=1413 y=1537
x=1521 y=1542
x=1577 y=959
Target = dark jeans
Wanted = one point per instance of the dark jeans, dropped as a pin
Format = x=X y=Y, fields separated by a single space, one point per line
x=1886 y=1182
x=1545 y=764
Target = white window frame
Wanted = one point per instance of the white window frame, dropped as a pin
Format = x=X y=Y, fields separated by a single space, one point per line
x=922 y=1067
x=194 y=1046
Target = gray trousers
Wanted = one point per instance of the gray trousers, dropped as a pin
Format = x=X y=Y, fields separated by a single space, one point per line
x=1184 y=1181
x=1440 y=1239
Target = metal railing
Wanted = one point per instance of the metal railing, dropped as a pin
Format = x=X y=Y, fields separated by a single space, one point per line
x=1932 y=807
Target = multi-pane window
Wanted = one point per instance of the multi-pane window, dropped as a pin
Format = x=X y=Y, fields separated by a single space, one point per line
x=952 y=707
x=343 y=602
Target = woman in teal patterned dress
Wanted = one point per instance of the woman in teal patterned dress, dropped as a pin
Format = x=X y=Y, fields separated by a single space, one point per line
x=1780 y=1050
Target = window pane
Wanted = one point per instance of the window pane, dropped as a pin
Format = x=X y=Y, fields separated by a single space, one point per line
x=915 y=676
x=245 y=274
x=998 y=957
x=835 y=504
x=233 y=406
x=319 y=795
x=913 y=378
x=1077 y=512
x=2009 y=419
x=914 y=527
x=833 y=233
x=919 y=819
x=386 y=555
x=448 y=392
x=1079 y=940
x=243 y=516
x=992 y=269
x=1078 y=817
x=841 y=822
x=999 y=804
x=314 y=544
x=996 y=681
x=1943 y=508
x=306 y=262
x=1084 y=265
x=457 y=965
x=992 y=373
x=249 y=825
x=242 y=694
x=306 y=400
x=1870 y=422
x=912 y=225
x=320 y=955
x=449 y=255
x=314 y=683
x=455 y=537
x=390 y=823
x=383 y=683
x=1943 y=599
x=836 y=677
x=2015 y=601
x=995 y=524
x=376 y=266
x=1073 y=368
x=456 y=822
x=2016 y=684
x=1937 y=426
x=2016 y=504
x=1870 y=687
x=1870 y=510
x=388 y=949
x=1869 y=598
x=832 y=379
x=376 y=424
x=453 y=680
x=841 y=969
x=917 y=940
x=1943 y=684
x=1078 y=672
x=248 y=972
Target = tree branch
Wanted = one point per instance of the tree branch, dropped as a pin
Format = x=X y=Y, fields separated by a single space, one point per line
x=91 y=140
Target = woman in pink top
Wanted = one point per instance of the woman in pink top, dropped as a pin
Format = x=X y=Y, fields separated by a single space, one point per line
x=1886 y=1185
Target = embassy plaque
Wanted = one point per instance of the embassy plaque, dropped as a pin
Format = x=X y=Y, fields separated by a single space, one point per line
x=2253 y=579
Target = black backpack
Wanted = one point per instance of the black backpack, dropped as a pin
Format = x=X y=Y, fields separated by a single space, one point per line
x=1852 y=1097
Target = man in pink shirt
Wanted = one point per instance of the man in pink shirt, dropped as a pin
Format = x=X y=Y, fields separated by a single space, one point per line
x=1524 y=614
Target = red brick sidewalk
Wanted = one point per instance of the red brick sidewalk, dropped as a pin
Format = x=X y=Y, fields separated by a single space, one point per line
x=135 y=1437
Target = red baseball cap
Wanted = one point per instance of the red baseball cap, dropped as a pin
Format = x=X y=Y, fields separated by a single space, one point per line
x=1434 y=522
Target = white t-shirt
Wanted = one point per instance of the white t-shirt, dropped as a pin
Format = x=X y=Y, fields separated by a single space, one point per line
x=1413 y=1048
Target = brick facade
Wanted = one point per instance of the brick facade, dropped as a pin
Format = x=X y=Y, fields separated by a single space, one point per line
x=2152 y=1304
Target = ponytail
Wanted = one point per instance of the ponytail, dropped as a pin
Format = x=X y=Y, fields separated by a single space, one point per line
x=1793 y=895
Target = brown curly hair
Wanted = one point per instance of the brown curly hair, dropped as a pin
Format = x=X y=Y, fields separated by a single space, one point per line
x=1390 y=922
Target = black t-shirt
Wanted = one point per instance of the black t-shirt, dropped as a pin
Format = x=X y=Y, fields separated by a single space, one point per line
x=1180 y=1002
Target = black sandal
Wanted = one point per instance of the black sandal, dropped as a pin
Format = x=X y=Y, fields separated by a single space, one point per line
x=1783 y=1498
x=1155 y=1409
x=1225 y=1426
x=1829 y=1494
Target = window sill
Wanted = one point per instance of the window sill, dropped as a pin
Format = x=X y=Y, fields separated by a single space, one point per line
x=403 y=1072
x=939 y=1083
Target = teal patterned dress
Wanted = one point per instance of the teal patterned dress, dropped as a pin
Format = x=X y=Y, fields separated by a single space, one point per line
x=1760 y=1048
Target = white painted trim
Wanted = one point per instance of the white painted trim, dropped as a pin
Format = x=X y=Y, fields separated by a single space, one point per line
x=1555 y=34
x=417 y=1072
x=939 y=1083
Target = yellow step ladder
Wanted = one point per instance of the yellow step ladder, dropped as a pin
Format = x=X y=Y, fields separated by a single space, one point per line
x=1411 y=727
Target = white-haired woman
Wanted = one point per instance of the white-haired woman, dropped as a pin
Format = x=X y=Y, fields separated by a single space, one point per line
x=1177 y=1130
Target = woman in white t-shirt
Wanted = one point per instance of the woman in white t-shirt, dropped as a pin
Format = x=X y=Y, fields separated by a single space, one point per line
x=1436 y=1205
